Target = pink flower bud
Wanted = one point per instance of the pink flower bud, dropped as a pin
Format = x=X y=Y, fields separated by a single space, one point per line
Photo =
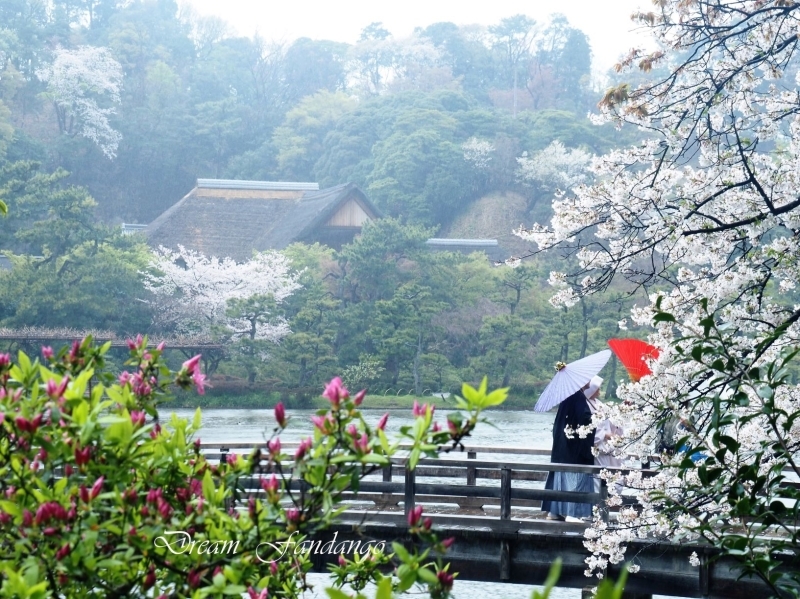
x=292 y=515
x=414 y=515
x=84 y=494
x=280 y=415
x=193 y=579
x=97 y=487
x=161 y=346
x=359 y=397
x=427 y=523
x=273 y=568
x=63 y=552
x=270 y=485
x=47 y=352
x=164 y=508
x=445 y=579
x=82 y=456
x=352 y=430
x=448 y=542
x=382 y=422
x=150 y=578
x=138 y=418
x=342 y=561
x=27 y=518
x=5 y=360
x=23 y=424
x=274 y=446
x=303 y=448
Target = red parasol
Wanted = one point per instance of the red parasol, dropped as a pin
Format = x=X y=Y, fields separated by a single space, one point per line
x=634 y=355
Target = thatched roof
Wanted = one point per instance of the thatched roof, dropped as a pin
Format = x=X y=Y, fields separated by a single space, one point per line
x=234 y=218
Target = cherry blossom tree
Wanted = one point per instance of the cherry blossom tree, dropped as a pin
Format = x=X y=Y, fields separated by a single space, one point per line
x=210 y=296
x=704 y=217
x=554 y=168
x=84 y=85
x=478 y=153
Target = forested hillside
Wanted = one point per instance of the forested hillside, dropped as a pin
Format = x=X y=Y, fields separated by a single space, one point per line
x=110 y=110
x=138 y=99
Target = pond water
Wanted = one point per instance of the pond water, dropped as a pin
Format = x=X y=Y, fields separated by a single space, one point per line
x=516 y=428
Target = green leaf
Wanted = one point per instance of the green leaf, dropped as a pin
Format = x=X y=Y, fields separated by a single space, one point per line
x=663 y=317
x=496 y=397
x=208 y=486
x=401 y=552
x=11 y=508
x=197 y=421
x=372 y=458
x=427 y=576
x=384 y=588
x=337 y=594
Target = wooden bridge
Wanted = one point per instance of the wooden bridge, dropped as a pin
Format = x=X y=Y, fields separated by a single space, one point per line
x=500 y=532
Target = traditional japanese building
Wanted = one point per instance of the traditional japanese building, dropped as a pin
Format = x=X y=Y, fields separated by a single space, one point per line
x=229 y=218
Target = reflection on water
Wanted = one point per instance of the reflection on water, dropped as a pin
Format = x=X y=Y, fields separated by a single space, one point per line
x=519 y=428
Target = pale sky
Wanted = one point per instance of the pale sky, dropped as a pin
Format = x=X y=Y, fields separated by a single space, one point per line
x=606 y=22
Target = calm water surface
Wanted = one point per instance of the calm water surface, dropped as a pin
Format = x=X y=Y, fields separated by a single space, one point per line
x=505 y=429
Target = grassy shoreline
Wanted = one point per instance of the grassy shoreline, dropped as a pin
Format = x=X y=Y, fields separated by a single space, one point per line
x=260 y=401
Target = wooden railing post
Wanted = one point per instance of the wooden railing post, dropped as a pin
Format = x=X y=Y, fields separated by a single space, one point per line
x=409 y=489
x=387 y=473
x=603 y=497
x=505 y=494
x=471 y=455
x=223 y=455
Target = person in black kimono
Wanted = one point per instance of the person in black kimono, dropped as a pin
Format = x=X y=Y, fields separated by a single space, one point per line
x=573 y=412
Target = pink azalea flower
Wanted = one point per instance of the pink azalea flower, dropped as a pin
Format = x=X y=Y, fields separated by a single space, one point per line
x=335 y=391
x=304 y=446
x=199 y=382
x=191 y=364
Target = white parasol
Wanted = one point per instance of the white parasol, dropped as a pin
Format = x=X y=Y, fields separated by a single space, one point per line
x=570 y=378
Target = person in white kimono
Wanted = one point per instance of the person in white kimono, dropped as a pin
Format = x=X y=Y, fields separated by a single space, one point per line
x=603 y=433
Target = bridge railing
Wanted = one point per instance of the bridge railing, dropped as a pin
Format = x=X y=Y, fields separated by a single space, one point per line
x=389 y=492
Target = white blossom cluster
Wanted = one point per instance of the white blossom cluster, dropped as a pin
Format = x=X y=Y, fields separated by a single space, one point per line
x=478 y=152
x=555 y=167
x=84 y=84
x=707 y=207
x=193 y=290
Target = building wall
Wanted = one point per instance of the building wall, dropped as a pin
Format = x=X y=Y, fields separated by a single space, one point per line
x=350 y=214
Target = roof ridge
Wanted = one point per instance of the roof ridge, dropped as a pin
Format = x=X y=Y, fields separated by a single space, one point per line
x=260 y=185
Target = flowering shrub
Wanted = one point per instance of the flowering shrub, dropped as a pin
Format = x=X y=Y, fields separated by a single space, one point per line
x=91 y=487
